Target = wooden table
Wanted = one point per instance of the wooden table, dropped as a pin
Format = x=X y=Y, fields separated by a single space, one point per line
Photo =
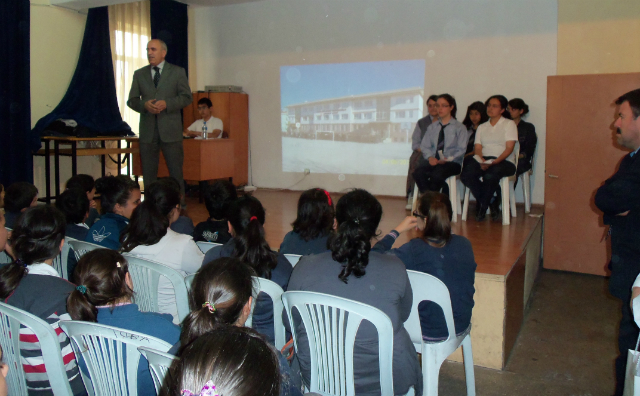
x=74 y=152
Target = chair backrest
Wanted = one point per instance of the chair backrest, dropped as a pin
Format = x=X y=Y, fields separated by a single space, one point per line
x=81 y=247
x=4 y=258
x=293 y=258
x=188 y=280
x=427 y=288
x=60 y=261
x=206 y=246
x=111 y=355
x=331 y=324
x=159 y=363
x=10 y=320
x=145 y=275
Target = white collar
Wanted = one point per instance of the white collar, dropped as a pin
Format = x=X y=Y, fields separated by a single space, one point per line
x=43 y=269
x=159 y=66
x=82 y=225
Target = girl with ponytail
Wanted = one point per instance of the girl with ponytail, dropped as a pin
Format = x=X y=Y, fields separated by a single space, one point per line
x=351 y=270
x=248 y=245
x=31 y=283
x=104 y=295
x=220 y=296
x=439 y=253
x=149 y=236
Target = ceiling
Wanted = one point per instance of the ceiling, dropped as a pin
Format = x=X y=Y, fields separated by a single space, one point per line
x=80 y=5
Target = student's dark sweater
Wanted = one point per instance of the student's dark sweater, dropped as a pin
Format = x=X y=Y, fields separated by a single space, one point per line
x=294 y=244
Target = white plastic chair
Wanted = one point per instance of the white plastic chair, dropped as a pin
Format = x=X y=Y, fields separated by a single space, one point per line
x=80 y=248
x=10 y=320
x=188 y=280
x=429 y=288
x=331 y=325
x=145 y=275
x=206 y=246
x=452 y=182
x=159 y=363
x=61 y=261
x=293 y=258
x=4 y=258
x=111 y=355
x=526 y=188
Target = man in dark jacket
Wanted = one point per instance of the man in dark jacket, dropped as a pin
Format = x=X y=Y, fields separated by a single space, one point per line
x=619 y=200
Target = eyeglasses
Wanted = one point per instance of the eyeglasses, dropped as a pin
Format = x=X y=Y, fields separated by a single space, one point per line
x=418 y=215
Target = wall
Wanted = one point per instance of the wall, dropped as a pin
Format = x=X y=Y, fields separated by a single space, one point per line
x=485 y=47
x=56 y=37
x=597 y=36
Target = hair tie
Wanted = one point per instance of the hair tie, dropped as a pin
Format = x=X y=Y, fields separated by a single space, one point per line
x=357 y=221
x=207 y=390
x=82 y=289
x=328 y=197
x=118 y=264
x=21 y=262
x=252 y=219
x=211 y=307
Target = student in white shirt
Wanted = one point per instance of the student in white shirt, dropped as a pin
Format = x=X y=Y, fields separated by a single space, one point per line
x=494 y=157
x=213 y=125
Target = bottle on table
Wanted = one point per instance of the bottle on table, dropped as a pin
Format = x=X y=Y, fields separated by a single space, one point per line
x=204 y=130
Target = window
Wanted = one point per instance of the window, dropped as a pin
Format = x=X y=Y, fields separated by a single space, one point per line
x=326 y=116
x=410 y=113
x=336 y=116
x=357 y=116
x=400 y=114
x=368 y=116
x=368 y=104
x=345 y=116
x=318 y=117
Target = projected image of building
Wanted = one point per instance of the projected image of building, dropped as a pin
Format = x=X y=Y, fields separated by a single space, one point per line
x=377 y=117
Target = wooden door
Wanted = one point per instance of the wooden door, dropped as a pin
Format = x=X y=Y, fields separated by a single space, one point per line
x=581 y=152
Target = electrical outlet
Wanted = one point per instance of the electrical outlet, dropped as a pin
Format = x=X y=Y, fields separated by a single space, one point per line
x=307 y=171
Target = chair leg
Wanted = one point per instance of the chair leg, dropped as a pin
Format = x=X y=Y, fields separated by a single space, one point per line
x=504 y=185
x=416 y=192
x=453 y=194
x=469 y=373
x=465 y=208
x=526 y=189
x=459 y=197
x=430 y=374
x=512 y=198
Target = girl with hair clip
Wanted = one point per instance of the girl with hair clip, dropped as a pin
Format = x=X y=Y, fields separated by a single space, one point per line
x=439 y=253
x=221 y=296
x=149 y=236
x=32 y=284
x=210 y=367
x=350 y=270
x=246 y=219
x=526 y=135
x=104 y=294
x=313 y=226
x=119 y=196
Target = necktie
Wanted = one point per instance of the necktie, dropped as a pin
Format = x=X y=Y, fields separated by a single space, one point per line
x=440 y=146
x=156 y=77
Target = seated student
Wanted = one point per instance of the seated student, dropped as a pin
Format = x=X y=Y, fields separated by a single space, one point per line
x=351 y=271
x=30 y=283
x=184 y=224
x=217 y=199
x=416 y=139
x=439 y=253
x=442 y=148
x=208 y=123
x=221 y=296
x=119 y=196
x=104 y=295
x=526 y=135
x=476 y=115
x=246 y=219
x=19 y=197
x=86 y=184
x=209 y=367
x=313 y=226
x=148 y=236
x=74 y=204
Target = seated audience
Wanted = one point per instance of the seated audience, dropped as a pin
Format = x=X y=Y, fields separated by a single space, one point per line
x=119 y=196
x=416 y=140
x=209 y=367
x=221 y=295
x=526 y=135
x=494 y=157
x=31 y=283
x=350 y=270
x=74 y=204
x=104 y=295
x=184 y=224
x=19 y=197
x=217 y=199
x=442 y=148
x=88 y=185
x=439 y=253
x=313 y=226
x=149 y=236
x=476 y=115
x=246 y=217
x=208 y=123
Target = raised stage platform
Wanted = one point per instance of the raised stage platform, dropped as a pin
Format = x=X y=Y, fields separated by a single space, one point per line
x=508 y=259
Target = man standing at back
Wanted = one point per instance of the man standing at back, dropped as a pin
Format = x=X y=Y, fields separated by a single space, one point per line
x=158 y=92
x=619 y=200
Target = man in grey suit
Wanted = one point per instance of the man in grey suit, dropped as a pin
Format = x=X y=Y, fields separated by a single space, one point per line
x=158 y=92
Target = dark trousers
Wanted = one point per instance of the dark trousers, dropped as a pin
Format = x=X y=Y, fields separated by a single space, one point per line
x=627 y=338
x=483 y=189
x=523 y=166
x=414 y=161
x=150 y=158
x=434 y=178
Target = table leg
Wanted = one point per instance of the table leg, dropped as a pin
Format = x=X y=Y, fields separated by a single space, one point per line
x=47 y=170
x=104 y=158
x=129 y=156
x=56 y=153
x=119 y=156
x=74 y=158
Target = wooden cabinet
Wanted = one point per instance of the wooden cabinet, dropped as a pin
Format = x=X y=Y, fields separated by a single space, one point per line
x=233 y=110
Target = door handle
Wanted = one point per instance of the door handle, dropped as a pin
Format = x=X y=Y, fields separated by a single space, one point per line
x=554 y=176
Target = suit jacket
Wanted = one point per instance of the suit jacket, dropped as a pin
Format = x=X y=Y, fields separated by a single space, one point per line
x=173 y=88
x=528 y=140
x=618 y=194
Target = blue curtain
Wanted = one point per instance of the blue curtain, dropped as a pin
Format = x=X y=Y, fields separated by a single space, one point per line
x=91 y=96
x=16 y=140
x=169 y=23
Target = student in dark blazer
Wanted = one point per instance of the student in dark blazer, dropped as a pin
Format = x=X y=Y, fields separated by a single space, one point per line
x=158 y=92
x=526 y=135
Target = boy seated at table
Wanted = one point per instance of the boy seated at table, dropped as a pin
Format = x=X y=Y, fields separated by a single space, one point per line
x=208 y=123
